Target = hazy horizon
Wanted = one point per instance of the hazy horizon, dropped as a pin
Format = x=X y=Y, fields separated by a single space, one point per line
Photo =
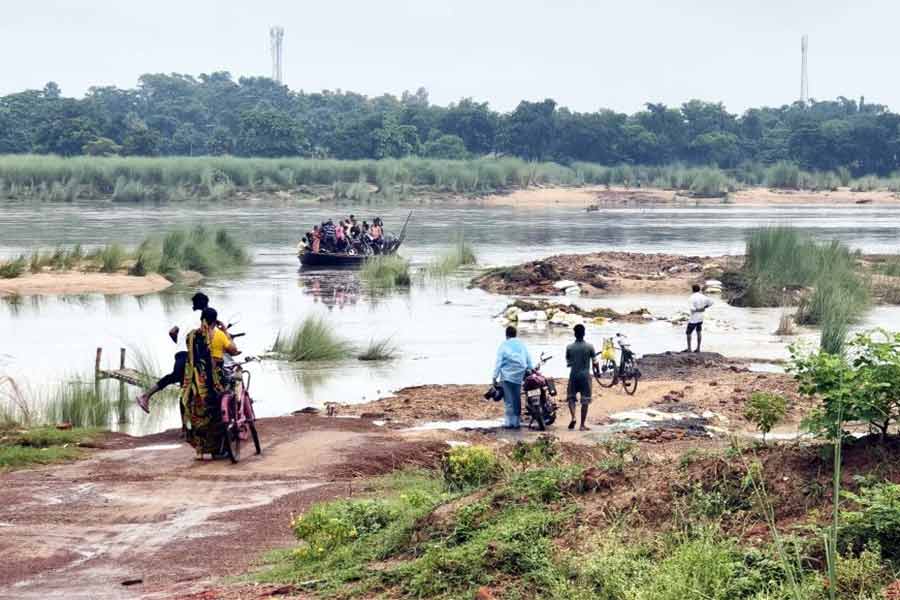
x=583 y=55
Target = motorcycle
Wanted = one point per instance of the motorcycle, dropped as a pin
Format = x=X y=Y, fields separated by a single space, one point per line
x=538 y=391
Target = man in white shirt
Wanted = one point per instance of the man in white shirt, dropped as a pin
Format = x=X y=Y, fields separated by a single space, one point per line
x=699 y=303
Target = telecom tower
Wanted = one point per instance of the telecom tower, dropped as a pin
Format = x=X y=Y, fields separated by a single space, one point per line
x=276 y=41
x=804 y=76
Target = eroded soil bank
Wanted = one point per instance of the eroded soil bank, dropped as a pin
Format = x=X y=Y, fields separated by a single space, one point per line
x=603 y=273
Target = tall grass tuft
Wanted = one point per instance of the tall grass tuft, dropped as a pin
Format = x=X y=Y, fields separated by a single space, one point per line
x=783 y=174
x=312 y=340
x=111 y=258
x=199 y=249
x=386 y=271
x=11 y=269
x=80 y=402
x=383 y=349
x=780 y=258
x=459 y=255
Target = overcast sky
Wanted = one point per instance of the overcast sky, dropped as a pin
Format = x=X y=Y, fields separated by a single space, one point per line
x=585 y=55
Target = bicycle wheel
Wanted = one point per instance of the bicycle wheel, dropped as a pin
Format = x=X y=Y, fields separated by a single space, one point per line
x=606 y=373
x=629 y=377
x=232 y=436
x=255 y=435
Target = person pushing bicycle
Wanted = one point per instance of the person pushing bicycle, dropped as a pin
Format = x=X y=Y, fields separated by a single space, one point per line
x=580 y=358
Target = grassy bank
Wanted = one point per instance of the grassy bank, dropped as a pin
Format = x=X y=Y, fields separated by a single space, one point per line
x=544 y=520
x=175 y=179
x=22 y=447
x=199 y=249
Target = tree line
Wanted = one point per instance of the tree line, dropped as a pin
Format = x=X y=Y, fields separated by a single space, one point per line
x=212 y=114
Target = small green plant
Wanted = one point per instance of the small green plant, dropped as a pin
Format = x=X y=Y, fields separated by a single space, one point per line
x=470 y=466
x=312 y=340
x=542 y=451
x=765 y=410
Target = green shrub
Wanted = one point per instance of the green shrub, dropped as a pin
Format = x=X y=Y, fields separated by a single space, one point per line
x=312 y=340
x=542 y=451
x=765 y=410
x=874 y=518
x=13 y=268
x=470 y=466
x=328 y=526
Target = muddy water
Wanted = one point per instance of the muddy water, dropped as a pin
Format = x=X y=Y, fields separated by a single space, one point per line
x=445 y=332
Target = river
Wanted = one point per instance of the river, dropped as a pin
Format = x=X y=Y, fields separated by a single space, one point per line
x=445 y=332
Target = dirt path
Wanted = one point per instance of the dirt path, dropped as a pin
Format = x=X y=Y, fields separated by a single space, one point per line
x=142 y=519
x=147 y=520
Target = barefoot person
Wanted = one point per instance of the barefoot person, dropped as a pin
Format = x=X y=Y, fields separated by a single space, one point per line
x=580 y=357
x=699 y=303
x=199 y=301
x=513 y=360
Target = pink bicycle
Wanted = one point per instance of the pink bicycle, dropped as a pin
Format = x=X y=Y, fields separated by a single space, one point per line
x=238 y=418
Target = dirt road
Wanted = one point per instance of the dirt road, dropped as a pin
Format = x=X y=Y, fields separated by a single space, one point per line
x=144 y=520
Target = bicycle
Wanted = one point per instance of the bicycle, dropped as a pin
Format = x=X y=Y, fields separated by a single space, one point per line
x=238 y=417
x=608 y=373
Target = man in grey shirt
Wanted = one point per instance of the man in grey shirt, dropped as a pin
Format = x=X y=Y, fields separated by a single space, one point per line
x=580 y=357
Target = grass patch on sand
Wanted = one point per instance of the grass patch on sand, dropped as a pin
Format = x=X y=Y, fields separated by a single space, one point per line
x=10 y=269
x=25 y=447
x=386 y=272
x=312 y=340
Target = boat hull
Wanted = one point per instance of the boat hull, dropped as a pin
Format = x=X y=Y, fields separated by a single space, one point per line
x=327 y=260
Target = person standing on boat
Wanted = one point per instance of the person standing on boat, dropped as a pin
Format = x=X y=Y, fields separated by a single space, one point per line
x=513 y=360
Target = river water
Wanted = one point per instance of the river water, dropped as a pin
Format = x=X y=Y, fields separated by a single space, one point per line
x=445 y=332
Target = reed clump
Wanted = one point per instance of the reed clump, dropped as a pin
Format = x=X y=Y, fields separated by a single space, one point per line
x=383 y=349
x=825 y=276
x=461 y=254
x=386 y=271
x=312 y=340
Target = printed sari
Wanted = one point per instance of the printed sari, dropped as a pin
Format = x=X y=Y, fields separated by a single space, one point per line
x=200 y=399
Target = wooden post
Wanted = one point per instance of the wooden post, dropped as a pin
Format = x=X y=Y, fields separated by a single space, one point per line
x=97 y=363
x=121 y=358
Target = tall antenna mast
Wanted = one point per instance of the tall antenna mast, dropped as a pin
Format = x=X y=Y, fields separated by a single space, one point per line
x=276 y=41
x=804 y=75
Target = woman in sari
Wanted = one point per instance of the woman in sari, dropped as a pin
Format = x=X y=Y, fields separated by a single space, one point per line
x=203 y=387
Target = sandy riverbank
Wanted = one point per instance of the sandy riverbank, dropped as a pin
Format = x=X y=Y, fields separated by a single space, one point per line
x=620 y=196
x=73 y=283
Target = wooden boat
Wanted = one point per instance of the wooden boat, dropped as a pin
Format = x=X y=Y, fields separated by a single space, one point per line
x=343 y=260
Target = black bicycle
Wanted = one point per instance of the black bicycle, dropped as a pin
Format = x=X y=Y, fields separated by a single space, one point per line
x=608 y=373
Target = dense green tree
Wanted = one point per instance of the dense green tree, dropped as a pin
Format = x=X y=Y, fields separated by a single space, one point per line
x=269 y=132
x=178 y=114
x=528 y=131
x=445 y=146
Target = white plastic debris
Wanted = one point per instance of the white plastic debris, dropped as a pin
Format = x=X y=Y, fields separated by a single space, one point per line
x=565 y=284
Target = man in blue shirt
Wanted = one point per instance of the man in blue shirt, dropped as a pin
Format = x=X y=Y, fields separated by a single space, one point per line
x=513 y=361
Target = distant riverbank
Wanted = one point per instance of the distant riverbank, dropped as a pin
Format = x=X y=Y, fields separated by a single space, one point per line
x=50 y=178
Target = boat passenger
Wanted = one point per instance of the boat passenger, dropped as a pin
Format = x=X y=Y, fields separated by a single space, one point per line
x=316 y=239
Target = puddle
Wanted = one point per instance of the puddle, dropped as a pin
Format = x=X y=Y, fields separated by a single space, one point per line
x=158 y=447
x=458 y=425
x=764 y=367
